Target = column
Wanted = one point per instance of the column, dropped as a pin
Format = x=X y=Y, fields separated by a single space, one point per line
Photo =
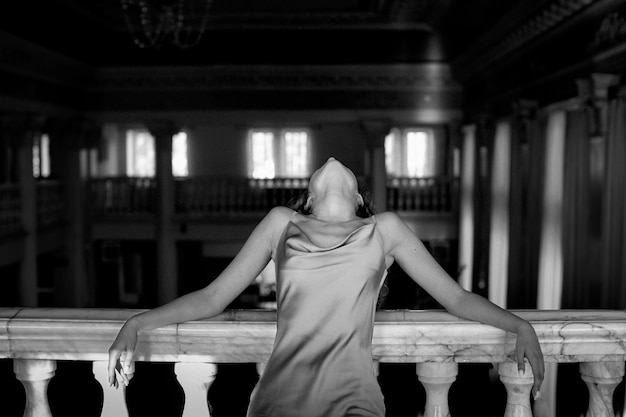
x=23 y=131
x=375 y=132
x=466 y=207
x=70 y=140
x=167 y=276
x=499 y=220
x=550 y=276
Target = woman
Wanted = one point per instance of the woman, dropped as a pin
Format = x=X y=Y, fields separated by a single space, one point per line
x=330 y=265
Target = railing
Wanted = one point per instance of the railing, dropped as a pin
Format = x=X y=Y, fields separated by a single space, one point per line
x=10 y=209
x=435 y=341
x=50 y=205
x=433 y=194
x=123 y=196
x=205 y=196
x=201 y=196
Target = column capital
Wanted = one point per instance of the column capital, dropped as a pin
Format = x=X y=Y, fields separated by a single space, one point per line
x=375 y=131
x=162 y=130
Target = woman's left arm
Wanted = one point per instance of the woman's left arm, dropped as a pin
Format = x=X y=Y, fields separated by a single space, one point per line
x=409 y=252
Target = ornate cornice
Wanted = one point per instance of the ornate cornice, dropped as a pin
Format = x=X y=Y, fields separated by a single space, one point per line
x=296 y=78
x=528 y=25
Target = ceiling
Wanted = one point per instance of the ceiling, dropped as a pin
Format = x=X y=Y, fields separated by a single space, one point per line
x=517 y=41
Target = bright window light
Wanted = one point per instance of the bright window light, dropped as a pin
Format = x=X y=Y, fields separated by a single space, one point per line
x=41 y=156
x=263 y=165
x=180 y=166
x=295 y=154
x=410 y=153
x=140 y=154
x=417 y=155
x=283 y=154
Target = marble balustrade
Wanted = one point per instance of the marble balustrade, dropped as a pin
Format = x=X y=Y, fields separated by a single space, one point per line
x=35 y=338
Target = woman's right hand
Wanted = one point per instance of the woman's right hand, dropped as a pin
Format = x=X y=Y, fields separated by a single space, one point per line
x=121 y=353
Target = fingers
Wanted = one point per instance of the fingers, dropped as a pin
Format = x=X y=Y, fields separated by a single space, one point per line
x=127 y=361
x=538 y=372
x=114 y=355
x=120 y=367
x=519 y=356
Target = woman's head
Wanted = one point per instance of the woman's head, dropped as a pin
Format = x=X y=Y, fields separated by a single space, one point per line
x=336 y=180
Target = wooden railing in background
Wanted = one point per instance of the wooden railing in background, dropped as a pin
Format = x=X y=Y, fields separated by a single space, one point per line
x=122 y=196
x=202 y=196
x=435 y=341
x=431 y=194
x=50 y=204
x=10 y=208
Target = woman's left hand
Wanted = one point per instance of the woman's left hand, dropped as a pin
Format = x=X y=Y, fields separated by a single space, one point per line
x=527 y=346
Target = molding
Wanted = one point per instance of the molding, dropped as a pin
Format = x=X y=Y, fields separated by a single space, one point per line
x=392 y=77
x=528 y=27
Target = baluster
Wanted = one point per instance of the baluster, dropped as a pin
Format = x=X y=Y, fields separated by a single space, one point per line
x=433 y=202
x=195 y=379
x=35 y=375
x=601 y=379
x=437 y=379
x=518 y=386
x=114 y=399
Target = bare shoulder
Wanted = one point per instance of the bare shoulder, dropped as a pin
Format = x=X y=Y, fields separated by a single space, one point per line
x=390 y=222
x=392 y=229
x=276 y=219
x=280 y=214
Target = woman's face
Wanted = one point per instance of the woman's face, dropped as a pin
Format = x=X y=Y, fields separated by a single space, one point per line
x=333 y=176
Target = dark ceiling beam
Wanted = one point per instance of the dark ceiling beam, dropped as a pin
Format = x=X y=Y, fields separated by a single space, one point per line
x=520 y=27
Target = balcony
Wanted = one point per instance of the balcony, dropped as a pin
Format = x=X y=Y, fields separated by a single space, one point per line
x=434 y=341
x=123 y=205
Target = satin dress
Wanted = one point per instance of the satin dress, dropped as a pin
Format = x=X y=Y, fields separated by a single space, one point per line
x=321 y=364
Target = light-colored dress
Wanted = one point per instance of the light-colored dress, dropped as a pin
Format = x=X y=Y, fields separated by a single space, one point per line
x=321 y=364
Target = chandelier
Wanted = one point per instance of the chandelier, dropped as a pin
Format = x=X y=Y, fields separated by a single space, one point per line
x=152 y=23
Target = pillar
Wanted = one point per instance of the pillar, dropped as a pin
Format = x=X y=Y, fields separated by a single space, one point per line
x=466 y=207
x=499 y=220
x=375 y=132
x=167 y=276
x=23 y=131
x=70 y=140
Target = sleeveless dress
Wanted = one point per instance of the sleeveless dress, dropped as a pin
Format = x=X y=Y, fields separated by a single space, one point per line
x=321 y=363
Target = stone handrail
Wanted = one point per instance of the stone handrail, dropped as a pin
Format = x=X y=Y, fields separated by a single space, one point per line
x=435 y=340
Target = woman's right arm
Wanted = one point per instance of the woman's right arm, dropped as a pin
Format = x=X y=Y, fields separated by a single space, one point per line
x=206 y=302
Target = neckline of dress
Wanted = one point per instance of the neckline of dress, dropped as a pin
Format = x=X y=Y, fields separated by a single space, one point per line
x=341 y=242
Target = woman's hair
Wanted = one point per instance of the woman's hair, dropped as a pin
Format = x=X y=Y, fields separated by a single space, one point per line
x=366 y=210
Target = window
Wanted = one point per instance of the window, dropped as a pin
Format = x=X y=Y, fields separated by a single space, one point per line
x=41 y=156
x=412 y=153
x=283 y=153
x=141 y=156
x=180 y=167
